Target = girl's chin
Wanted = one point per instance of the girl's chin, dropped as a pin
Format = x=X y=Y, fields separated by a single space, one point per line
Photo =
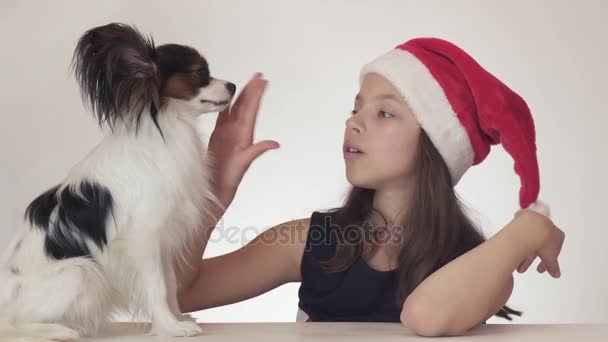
x=359 y=182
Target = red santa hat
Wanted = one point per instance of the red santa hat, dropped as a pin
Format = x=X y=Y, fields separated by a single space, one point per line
x=463 y=109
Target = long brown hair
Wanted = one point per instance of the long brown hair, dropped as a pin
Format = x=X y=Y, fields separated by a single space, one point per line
x=436 y=230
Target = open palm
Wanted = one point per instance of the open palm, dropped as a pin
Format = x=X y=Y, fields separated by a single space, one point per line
x=231 y=144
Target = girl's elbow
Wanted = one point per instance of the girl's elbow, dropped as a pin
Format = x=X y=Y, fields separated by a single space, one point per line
x=425 y=320
x=421 y=320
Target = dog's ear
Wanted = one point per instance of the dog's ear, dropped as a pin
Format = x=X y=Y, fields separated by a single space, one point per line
x=118 y=73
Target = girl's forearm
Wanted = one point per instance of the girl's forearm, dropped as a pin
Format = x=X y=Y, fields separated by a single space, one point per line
x=474 y=286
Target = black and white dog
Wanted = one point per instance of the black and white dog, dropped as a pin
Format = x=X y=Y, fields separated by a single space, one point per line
x=105 y=238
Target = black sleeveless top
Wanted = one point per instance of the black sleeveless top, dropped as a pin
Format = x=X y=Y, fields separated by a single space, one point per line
x=358 y=294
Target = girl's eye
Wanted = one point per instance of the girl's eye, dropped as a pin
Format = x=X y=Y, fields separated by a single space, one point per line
x=353 y=112
x=384 y=114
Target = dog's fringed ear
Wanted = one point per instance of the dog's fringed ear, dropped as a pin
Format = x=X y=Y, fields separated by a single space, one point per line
x=118 y=73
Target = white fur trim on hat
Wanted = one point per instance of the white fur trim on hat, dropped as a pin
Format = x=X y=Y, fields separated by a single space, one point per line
x=429 y=103
x=541 y=208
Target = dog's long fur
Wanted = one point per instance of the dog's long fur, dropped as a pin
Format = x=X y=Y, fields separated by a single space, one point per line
x=105 y=237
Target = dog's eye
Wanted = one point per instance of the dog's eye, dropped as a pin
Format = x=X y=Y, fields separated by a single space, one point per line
x=203 y=73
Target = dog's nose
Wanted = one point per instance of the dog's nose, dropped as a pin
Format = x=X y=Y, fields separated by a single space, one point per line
x=231 y=88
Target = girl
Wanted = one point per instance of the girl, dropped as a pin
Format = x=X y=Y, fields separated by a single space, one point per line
x=401 y=248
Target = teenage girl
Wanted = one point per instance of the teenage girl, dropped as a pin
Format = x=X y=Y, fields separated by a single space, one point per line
x=401 y=248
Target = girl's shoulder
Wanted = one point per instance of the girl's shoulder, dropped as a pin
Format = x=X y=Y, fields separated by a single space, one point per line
x=302 y=241
x=321 y=235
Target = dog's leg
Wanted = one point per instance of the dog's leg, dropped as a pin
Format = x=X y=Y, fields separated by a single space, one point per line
x=172 y=287
x=153 y=286
x=169 y=274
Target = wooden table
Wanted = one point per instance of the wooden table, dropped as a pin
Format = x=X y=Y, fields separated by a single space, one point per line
x=375 y=332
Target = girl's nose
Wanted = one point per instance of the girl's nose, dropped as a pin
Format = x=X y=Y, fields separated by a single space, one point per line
x=353 y=124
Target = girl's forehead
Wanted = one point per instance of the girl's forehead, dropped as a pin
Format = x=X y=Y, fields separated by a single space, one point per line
x=374 y=85
x=379 y=97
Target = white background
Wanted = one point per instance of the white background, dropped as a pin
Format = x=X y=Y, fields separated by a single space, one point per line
x=552 y=52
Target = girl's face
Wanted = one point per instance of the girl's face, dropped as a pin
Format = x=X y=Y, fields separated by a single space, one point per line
x=385 y=131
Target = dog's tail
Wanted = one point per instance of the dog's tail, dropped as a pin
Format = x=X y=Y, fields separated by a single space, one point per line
x=44 y=332
x=29 y=332
x=79 y=295
x=8 y=333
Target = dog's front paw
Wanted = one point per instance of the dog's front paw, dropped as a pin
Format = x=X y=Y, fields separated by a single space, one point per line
x=177 y=329
x=186 y=318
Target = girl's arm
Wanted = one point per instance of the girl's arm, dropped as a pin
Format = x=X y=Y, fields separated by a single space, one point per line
x=230 y=153
x=474 y=286
x=270 y=260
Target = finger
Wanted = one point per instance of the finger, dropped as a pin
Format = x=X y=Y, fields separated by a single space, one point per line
x=541 y=267
x=252 y=105
x=523 y=267
x=557 y=272
x=553 y=268
x=245 y=95
x=257 y=149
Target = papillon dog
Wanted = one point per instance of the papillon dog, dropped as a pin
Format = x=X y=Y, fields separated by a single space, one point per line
x=105 y=238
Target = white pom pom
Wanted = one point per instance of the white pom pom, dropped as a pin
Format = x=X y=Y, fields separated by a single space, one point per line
x=541 y=208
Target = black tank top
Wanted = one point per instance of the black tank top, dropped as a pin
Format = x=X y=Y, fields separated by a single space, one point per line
x=358 y=294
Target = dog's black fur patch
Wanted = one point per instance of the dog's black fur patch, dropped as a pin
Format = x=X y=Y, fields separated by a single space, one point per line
x=175 y=59
x=70 y=218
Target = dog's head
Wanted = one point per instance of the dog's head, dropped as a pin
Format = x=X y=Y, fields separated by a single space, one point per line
x=122 y=75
